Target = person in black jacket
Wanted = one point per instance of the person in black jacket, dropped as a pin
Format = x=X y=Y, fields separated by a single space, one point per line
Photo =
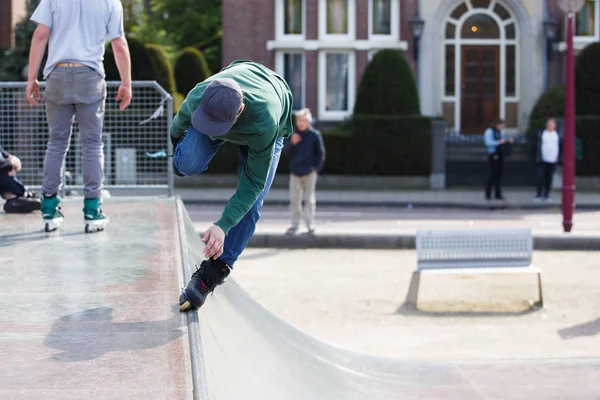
x=549 y=153
x=307 y=156
x=18 y=199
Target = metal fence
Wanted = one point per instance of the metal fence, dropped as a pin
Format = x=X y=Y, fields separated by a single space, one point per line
x=136 y=141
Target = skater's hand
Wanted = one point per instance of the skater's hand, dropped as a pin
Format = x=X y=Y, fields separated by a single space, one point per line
x=295 y=139
x=214 y=238
x=33 y=91
x=16 y=163
x=124 y=96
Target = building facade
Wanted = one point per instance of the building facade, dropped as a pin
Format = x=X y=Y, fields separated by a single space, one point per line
x=478 y=59
x=11 y=12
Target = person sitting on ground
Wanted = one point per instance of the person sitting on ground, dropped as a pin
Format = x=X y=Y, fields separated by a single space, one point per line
x=548 y=155
x=307 y=157
x=18 y=199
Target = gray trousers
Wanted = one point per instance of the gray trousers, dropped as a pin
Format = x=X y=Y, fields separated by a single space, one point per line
x=298 y=185
x=71 y=92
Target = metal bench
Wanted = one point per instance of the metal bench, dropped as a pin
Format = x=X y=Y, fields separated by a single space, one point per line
x=466 y=252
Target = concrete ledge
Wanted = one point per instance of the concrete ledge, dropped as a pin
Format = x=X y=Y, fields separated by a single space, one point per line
x=396 y=242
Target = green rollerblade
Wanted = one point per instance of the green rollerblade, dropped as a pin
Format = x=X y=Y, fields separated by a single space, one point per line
x=95 y=220
x=51 y=214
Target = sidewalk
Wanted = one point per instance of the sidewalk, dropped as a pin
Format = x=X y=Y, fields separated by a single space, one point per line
x=462 y=199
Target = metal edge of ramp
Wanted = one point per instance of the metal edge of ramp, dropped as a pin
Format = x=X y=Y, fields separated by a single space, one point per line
x=200 y=388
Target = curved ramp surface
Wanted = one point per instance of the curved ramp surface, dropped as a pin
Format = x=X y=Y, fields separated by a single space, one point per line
x=248 y=353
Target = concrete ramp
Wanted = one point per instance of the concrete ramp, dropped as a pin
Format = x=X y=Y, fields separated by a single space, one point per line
x=245 y=352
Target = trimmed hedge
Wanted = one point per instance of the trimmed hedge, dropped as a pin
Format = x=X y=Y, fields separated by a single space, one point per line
x=587 y=80
x=190 y=69
x=387 y=87
x=550 y=104
x=141 y=65
x=163 y=71
x=367 y=145
x=587 y=128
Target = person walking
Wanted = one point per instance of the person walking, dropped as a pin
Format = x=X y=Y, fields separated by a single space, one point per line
x=18 y=199
x=494 y=142
x=75 y=31
x=307 y=157
x=248 y=105
x=549 y=152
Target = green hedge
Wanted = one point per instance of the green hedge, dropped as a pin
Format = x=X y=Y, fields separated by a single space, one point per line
x=163 y=71
x=190 y=69
x=141 y=65
x=587 y=80
x=367 y=145
x=587 y=128
x=387 y=87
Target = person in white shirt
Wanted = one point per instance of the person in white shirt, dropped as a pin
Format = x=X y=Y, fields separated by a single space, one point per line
x=548 y=155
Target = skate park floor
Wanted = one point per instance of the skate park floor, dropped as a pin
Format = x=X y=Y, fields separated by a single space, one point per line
x=94 y=316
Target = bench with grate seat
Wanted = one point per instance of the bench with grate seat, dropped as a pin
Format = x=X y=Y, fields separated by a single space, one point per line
x=467 y=252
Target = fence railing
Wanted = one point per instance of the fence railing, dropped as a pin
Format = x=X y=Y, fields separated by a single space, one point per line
x=136 y=141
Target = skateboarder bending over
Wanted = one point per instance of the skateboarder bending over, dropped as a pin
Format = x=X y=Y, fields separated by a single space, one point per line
x=249 y=105
x=75 y=86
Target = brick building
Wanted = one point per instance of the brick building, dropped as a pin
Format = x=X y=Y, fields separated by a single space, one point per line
x=478 y=59
x=11 y=12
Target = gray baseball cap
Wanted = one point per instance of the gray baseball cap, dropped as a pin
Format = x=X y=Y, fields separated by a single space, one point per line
x=221 y=101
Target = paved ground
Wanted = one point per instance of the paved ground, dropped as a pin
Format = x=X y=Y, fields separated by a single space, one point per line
x=398 y=221
x=354 y=299
x=466 y=199
x=93 y=316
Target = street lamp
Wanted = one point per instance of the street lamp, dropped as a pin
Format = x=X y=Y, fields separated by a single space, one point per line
x=416 y=26
x=550 y=29
x=570 y=7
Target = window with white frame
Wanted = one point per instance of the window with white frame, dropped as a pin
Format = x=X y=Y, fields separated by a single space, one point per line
x=336 y=84
x=586 y=21
x=384 y=19
x=291 y=66
x=337 y=19
x=290 y=19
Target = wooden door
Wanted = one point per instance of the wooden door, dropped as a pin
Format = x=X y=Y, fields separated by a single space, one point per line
x=480 y=94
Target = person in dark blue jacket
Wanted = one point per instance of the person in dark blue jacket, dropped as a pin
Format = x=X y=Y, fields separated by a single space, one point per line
x=18 y=199
x=307 y=156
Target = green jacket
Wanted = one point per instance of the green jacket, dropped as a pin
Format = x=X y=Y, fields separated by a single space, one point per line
x=266 y=117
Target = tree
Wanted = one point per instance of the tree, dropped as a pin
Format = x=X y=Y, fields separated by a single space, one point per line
x=587 y=80
x=387 y=87
x=141 y=66
x=163 y=71
x=190 y=69
x=15 y=61
x=550 y=104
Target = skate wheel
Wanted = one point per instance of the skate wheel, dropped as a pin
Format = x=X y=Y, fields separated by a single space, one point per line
x=88 y=229
x=185 y=306
x=47 y=227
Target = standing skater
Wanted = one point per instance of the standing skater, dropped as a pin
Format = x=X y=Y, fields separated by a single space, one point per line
x=248 y=105
x=494 y=143
x=548 y=155
x=75 y=86
x=307 y=156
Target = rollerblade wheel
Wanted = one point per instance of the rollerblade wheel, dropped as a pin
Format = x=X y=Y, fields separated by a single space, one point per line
x=185 y=306
x=88 y=229
x=47 y=227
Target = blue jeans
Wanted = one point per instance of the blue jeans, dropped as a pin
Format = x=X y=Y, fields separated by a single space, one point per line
x=10 y=184
x=191 y=157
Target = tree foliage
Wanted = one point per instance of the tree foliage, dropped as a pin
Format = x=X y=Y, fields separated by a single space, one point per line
x=587 y=80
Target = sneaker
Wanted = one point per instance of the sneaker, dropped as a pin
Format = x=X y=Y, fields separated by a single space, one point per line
x=21 y=205
x=211 y=274
x=547 y=199
x=292 y=231
x=537 y=199
x=312 y=233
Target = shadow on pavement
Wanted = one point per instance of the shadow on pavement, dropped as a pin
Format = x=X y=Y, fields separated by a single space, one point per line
x=590 y=328
x=409 y=310
x=89 y=334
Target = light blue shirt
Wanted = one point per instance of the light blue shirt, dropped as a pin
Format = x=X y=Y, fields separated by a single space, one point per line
x=79 y=29
x=490 y=142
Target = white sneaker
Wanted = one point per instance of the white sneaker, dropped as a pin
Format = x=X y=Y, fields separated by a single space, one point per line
x=537 y=199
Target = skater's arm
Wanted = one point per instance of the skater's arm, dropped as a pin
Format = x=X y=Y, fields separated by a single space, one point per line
x=5 y=163
x=36 y=53
x=253 y=178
